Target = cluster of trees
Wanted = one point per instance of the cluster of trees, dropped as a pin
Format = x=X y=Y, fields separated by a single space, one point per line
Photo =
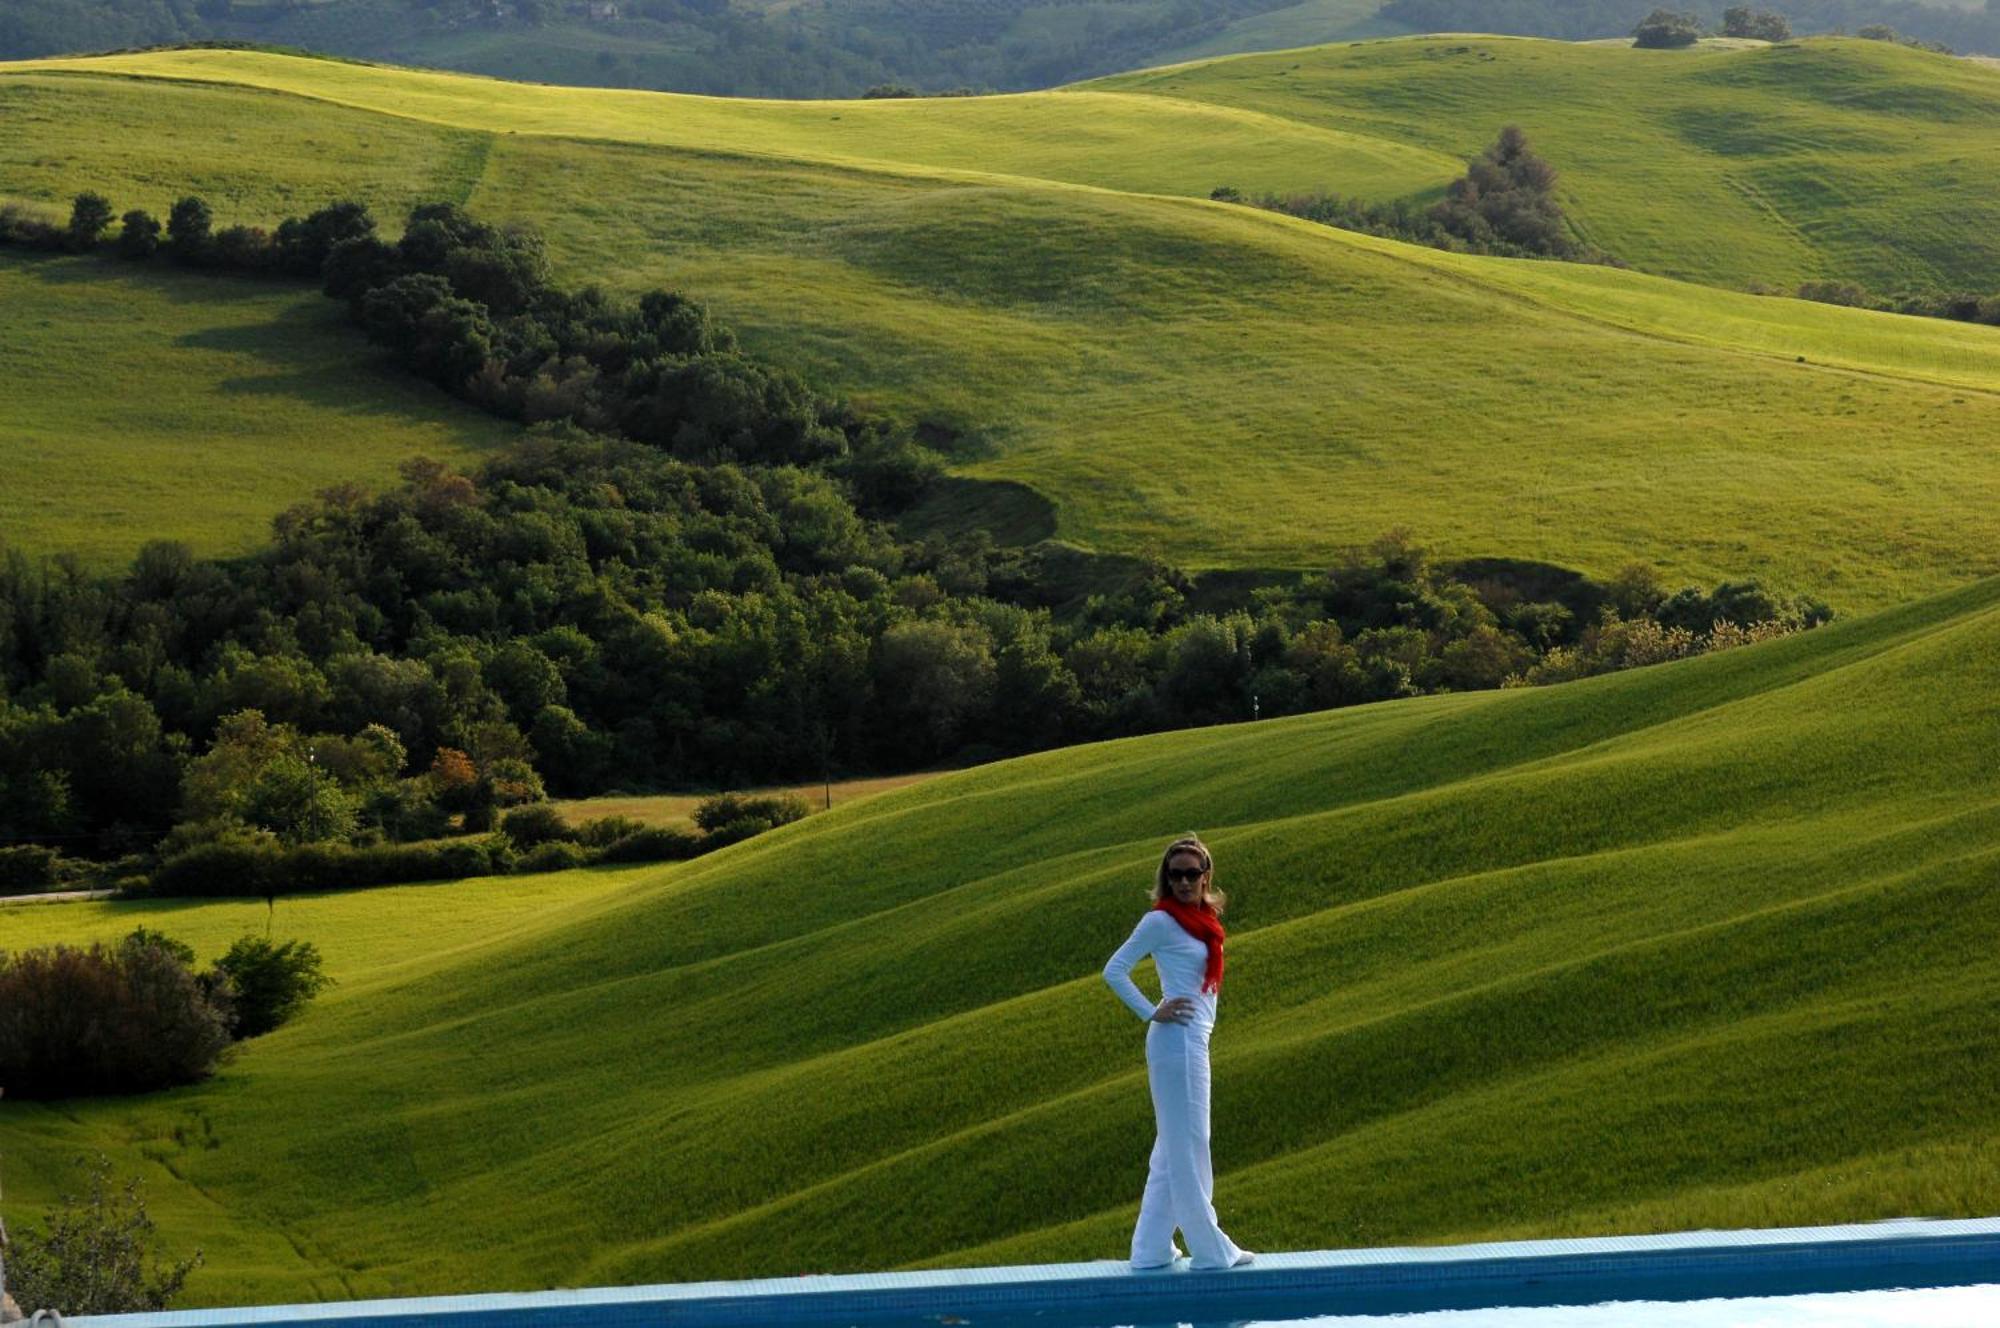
x=1668 y=28
x=1505 y=204
x=136 y=1015
x=1934 y=26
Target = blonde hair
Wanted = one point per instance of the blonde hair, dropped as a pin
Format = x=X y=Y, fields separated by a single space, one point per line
x=1190 y=843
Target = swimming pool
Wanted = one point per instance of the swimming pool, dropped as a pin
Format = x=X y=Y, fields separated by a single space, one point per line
x=1907 y=1266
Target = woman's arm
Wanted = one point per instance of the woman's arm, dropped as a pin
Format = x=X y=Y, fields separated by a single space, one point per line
x=1118 y=968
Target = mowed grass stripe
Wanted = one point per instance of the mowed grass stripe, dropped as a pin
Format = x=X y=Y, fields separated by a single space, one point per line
x=1471 y=990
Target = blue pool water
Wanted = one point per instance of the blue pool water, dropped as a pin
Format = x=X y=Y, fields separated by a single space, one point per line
x=1902 y=1307
x=1895 y=1273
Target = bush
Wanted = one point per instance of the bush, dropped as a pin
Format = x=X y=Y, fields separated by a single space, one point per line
x=553 y=855
x=89 y=214
x=90 y=1254
x=654 y=844
x=110 y=1019
x=272 y=981
x=27 y=868
x=603 y=831
x=534 y=825
x=139 y=234
x=1665 y=28
x=235 y=869
x=712 y=813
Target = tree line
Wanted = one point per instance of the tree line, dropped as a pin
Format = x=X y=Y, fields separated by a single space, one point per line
x=688 y=573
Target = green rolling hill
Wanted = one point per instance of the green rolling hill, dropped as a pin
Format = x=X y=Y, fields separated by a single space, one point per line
x=1020 y=270
x=1706 y=944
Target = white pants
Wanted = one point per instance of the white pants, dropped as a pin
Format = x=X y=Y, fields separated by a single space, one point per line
x=1180 y=1183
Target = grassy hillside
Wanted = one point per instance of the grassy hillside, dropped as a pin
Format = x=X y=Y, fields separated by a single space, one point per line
x=1709 y=944
x=1016 y=268
x=1843 y=158
x=146 y=403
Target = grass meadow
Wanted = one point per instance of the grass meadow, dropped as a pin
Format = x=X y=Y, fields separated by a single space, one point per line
x=144 y=403
x=1706 y=944
x=1017 y=269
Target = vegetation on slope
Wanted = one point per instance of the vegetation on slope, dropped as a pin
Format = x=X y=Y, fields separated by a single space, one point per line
x=1108 y=350
x=1707 y=944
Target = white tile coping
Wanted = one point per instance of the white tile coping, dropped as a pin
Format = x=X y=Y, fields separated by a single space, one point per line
x=1967 y=1249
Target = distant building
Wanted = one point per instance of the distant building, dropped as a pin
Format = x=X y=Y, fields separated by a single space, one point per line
x=601 y=11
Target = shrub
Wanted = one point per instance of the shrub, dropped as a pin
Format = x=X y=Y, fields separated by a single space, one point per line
x=110 y=1019
x=718 y=810
x=654 y=844
x=91 y=1252
x=238 y=869
x=603 y=831
x=89 y=214
x=272 y=981
x=536 y=824
x=553 y=855
x=221 y=867
x=26 y=868
x=139 y=234
x=188 y=226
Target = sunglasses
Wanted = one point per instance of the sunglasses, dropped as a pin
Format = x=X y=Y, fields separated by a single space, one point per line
x=1184 y=873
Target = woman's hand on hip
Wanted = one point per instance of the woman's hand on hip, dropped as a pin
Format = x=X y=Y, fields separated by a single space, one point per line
x=1174 y=1010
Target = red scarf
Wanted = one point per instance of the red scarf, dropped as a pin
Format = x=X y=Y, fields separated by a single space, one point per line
x=1201 y=923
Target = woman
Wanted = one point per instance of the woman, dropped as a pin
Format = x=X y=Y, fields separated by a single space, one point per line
x=1183 y=933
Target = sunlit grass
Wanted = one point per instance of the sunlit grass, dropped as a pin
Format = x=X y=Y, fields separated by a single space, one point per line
x=1691 y=945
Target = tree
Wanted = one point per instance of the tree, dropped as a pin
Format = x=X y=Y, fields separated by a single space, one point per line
x=1666 y=28
x=188 y=230
x=139 y=234
x=91 y=1254
x=1742 y=21
x=89 y=214
x=272 y=981
x=1507 y=196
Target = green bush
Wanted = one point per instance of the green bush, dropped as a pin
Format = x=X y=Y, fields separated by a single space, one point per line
x=553 y=855
x=26 y=868
x=535 y=824
x=723 y=809
x=272 y=981
x=603 y=831
x=653 y=844
x=250 y=870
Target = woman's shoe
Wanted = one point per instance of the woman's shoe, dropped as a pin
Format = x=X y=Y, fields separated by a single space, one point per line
x=1248 y=1256
x=1179 y=1254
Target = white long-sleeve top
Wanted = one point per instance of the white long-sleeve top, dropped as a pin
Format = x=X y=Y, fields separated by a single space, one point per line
x=1181 y=959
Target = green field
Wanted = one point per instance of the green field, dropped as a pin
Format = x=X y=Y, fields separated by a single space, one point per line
x=1019 y=269
x=144 y=403
x=1715 y=943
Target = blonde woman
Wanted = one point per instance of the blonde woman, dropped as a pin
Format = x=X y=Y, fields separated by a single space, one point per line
x=1183 y=933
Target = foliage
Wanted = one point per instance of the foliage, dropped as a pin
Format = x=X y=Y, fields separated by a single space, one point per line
x=1504 y=204
x=272 y=981
x=93 y=1253
x=1666 y=28
x=723 y=809
x=1763 y=24
x=122 y=1018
